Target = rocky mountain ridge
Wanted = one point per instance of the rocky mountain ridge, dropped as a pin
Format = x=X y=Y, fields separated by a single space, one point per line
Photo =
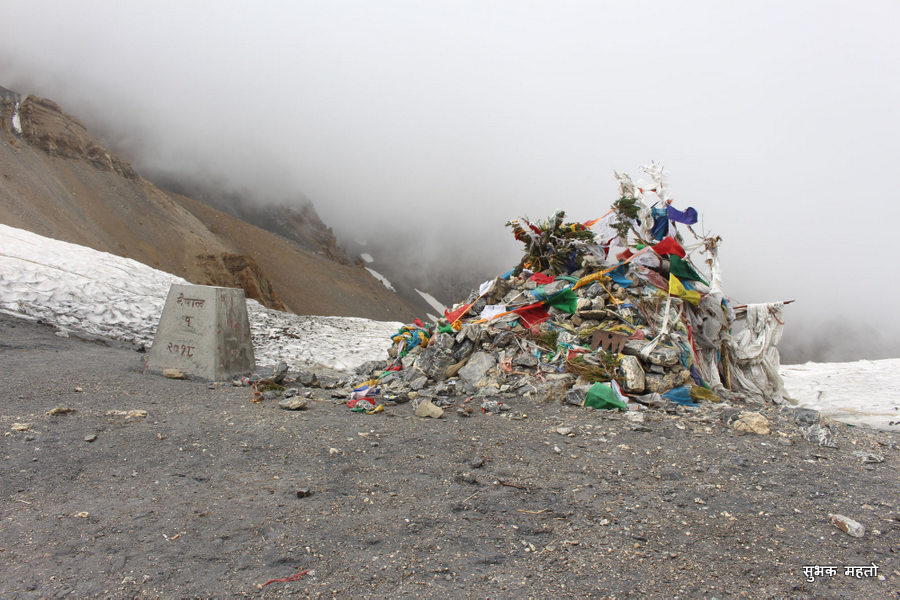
x=58 y=181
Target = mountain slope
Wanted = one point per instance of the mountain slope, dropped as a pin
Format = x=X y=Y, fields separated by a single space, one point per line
x=57 y=181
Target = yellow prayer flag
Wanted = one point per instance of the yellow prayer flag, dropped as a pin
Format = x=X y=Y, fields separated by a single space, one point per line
x=676 y=288
x=597 y=276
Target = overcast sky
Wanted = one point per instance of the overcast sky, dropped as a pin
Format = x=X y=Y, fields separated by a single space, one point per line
x=434 y=123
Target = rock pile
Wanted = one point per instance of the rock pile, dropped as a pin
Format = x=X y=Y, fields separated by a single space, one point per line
x=608 y=313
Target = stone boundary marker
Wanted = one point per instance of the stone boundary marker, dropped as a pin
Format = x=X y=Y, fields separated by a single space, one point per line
x=203 y=331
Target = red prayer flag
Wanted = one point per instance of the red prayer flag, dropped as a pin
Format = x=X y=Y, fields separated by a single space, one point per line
x=454 y=316
x=418 y=323
x=533 y=314
x=669 y=246
x=542 y=279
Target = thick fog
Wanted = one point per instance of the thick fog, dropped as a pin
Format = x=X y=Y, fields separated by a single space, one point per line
x=424 y=127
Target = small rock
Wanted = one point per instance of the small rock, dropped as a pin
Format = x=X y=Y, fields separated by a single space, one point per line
x=79 y=390
x=868 y=457
x=818 y=434
x=847 y=525
x=661 y=382
x=327 y=382
x=594 y=290
x=279 y=372
x=477 y=367
x=525 y=359
x=307 y=378
x=127 y=414
x=173 y=373
x=90 y=438
x=661 y=356
x=427 y=409
x=468 y=478
x=491 y=406
x=60 y=410
x=399 y=398
x=565 y=430
x=477 y=462
x=634 y=416
x=577 y=395
x=805 y=416
x=293 y=403
x=304 y=493
x=21 y=426
x=633 y=374
x=369 y=367
x=291 y=392
x=751 y=422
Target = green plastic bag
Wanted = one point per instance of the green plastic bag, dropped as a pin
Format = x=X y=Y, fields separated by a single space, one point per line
x=603 y=396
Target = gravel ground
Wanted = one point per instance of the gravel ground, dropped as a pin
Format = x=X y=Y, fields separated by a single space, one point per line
x=211 y=495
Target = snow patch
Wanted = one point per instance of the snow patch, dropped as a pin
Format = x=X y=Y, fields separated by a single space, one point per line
x=865 y=392
x=16 y=120
x=432 y=301
x=381 y=278
x=366 y=257
x=81 y=289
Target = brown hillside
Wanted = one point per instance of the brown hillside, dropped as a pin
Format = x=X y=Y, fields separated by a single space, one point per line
x=55 y=180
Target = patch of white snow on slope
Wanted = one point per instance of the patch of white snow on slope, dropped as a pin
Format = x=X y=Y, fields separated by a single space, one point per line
x=865 y=392
x=16 y=120
x=432 y=301
x=381 y=278
x=83 y=289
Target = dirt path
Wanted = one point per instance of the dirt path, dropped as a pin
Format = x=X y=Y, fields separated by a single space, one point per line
x=199 y=498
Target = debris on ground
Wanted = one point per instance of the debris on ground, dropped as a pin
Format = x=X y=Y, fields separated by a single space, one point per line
x=847 y=525
x=293 y=403
x=127 y=414
x=173 y=373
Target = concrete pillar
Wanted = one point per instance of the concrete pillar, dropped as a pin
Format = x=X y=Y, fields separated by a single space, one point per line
x=203 y=331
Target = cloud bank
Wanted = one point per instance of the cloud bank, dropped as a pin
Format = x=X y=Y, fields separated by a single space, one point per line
x=427 y=127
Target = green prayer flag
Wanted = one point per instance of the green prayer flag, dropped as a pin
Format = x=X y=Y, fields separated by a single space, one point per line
x=601 y=395
x=683 y=269
x=566 y=300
